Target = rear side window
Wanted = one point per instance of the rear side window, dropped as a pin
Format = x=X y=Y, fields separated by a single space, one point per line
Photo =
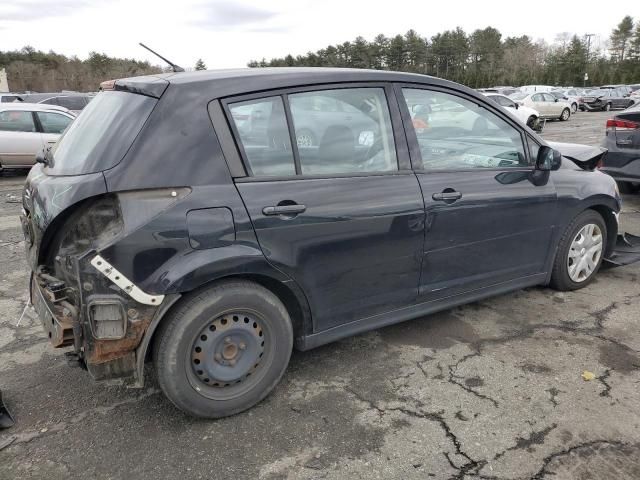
x=16 y=121
x=338 y=131
x=72 y=103
x=99 y=138
x=353 y=136
x=53 y=122
x=264 y=136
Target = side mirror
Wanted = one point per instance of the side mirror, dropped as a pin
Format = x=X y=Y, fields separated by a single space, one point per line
x=556 y=100
x=548 y=159
x=516 y=106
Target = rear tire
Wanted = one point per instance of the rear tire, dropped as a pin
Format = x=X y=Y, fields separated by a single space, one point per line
x=565 y=115
x=574 y=107
x=223 y=349
x=571 y=252
x=607 y=107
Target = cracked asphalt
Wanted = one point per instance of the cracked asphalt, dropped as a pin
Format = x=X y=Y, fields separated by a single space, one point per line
x=490 y=390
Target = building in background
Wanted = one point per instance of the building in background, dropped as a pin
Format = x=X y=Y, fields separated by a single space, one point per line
x=4 y=84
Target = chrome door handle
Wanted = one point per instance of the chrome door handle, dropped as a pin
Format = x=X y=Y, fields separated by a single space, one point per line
x=446 y=196
x=284 y=210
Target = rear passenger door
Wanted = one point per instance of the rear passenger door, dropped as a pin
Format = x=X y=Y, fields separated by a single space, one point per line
x=52 y=124
x=340 y=212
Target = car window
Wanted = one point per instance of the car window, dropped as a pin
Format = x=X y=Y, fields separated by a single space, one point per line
x=53 y=122
x=72 y=102
x=537 y=97
x=51 y=101
x=354 y=136
x=505 y=102
x=16 y=121
x=264 y=136
x=455 y=133
x=548 y=97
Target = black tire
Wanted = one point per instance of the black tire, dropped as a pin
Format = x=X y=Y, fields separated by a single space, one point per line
x=574 y=107
x=531 y=121
x=183 y=328
x=626 y=187
x=560 y=279
x=607 y=107
x=565 y=115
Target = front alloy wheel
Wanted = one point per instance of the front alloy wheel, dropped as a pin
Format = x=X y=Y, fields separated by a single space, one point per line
x=584 y=253
x=565 y=115
x=580 y=252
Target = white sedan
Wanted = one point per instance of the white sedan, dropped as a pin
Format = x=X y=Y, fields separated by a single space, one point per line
x=26 y=129
x=545 y=103
x=529 y=116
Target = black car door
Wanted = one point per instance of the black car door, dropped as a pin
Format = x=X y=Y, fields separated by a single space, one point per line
x=338 y=209
x=489 y=214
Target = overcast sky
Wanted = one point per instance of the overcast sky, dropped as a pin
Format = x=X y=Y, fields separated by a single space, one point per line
x=227 y=33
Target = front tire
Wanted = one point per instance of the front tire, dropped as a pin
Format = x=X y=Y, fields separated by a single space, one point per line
x=531 y=122
x=574 y=107
x=565 y=115
x=580 y=252
x=223 y=349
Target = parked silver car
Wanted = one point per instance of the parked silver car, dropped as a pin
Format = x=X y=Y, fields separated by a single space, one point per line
x=27 y=128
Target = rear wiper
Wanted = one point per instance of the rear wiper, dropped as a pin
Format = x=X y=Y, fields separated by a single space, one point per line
x=174 y=67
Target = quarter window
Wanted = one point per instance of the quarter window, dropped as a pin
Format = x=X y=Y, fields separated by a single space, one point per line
x=351 y=134
x=53 y=122
x=262 y=127
x=454 y=133
x=16 y=121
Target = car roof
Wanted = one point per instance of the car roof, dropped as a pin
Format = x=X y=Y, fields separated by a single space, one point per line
x=36 y=107
x=221 y=83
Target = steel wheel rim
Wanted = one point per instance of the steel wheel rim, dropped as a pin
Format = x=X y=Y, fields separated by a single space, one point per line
x=585 y=253
x=565 y=114
x=226 y=357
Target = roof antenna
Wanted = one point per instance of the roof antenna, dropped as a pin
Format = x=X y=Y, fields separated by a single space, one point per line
x=174 y=67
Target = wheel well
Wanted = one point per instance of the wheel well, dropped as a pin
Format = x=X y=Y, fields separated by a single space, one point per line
x=611 y=223
x=299 y=314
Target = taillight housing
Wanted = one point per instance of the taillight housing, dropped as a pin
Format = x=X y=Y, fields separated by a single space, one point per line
x=616 y=124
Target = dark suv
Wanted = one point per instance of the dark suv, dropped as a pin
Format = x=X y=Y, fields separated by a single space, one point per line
x=181 y=220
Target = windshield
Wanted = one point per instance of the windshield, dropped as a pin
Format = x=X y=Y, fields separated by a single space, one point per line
x=101 y=135
x=518 y=96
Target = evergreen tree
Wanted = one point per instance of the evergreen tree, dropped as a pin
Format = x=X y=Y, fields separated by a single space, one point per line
x=621 y=36
x=200 y=65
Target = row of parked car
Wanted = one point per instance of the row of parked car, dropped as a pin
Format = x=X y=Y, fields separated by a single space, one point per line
x=534 y=104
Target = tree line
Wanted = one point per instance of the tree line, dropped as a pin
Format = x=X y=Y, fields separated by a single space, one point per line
x=29 y=69
x=484 y=58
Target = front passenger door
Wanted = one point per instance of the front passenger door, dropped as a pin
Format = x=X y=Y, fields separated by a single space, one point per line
x=489 y=214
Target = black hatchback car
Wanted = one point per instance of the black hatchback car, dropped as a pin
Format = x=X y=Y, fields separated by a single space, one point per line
x=164 y=227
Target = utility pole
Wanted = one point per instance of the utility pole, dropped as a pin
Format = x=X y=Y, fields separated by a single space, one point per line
x=588 y=35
